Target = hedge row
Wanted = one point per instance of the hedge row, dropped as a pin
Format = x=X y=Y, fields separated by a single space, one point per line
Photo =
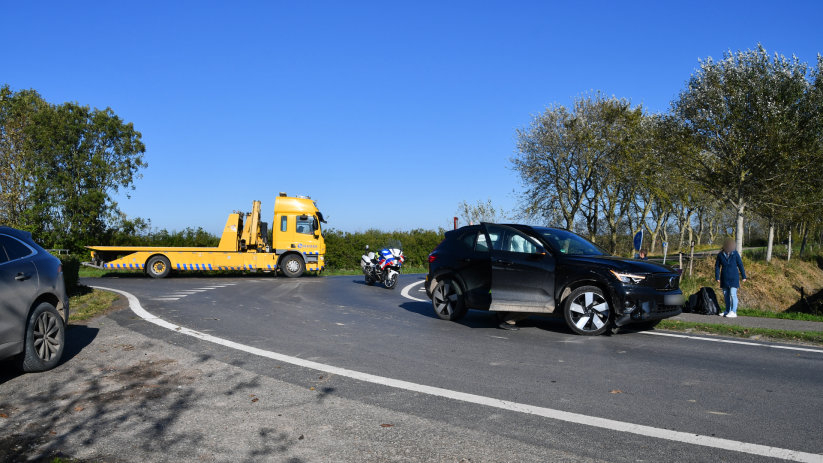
x=343 y=249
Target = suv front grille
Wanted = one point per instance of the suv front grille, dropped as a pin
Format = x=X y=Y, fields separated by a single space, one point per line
x=667 y=282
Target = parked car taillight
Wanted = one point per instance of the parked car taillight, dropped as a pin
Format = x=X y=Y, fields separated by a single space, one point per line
x=432 y=257
x=60 y=268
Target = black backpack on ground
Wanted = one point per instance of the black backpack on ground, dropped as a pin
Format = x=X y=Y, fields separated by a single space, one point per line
x=704 y=302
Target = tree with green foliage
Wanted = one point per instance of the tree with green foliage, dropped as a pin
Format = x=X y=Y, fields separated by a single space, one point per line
x=17 y=161
x=75 y=159
x=587 y=165
x=750 y=116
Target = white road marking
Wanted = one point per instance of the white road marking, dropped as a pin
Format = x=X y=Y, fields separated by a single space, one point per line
x=732 y=341
x=165 y=298
x=405 y=291
x=577 y=418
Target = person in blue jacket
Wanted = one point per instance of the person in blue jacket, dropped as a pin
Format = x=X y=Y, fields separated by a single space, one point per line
x=726 y=269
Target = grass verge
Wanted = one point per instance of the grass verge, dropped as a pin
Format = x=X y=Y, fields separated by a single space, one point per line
x=784 y=315
x=90 y=304
x=812 y=337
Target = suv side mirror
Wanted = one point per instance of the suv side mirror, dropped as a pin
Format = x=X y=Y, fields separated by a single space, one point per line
x=541 y=251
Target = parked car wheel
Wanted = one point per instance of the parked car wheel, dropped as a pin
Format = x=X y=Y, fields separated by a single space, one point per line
x=293 y=266
x=587 y=311
x=158 y=267
x=447 y=301
x=45 y=339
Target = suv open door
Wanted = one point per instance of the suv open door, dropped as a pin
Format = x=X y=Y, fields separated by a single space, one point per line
x=522 y=271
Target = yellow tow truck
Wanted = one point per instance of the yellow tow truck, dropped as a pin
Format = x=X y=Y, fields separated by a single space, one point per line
x=297 y=245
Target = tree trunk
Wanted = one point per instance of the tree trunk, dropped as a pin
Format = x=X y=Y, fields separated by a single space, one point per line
x=803 y=242
x=770 y=242
x=789 y=246
x=741 y=207
x=712 y=230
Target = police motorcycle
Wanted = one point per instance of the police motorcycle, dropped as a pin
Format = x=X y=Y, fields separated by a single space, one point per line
x=383 y=267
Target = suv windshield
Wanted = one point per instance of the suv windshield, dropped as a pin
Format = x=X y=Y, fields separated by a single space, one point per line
x=566 y=242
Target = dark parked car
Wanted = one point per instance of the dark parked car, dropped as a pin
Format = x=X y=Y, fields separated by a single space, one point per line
x=519 y=268
x=34 y=308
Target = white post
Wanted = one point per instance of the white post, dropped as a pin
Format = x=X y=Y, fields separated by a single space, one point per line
x=789 y=246
x=691 y=260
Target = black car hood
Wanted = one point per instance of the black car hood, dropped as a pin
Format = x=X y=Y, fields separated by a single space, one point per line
x=621 y=264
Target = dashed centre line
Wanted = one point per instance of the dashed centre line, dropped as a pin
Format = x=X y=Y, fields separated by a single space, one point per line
x=181 y=293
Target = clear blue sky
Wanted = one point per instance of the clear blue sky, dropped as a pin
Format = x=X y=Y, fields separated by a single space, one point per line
x=387 y=114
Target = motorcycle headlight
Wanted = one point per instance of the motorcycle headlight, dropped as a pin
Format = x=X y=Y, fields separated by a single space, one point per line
x=628 y=278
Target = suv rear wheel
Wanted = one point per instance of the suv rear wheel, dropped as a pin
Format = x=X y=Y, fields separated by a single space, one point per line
x=587 y=311
x=447 y=301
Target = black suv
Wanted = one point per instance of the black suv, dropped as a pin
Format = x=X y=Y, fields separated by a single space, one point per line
x=519 y=268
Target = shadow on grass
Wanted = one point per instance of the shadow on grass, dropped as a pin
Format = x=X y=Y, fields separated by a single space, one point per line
x=808 y=304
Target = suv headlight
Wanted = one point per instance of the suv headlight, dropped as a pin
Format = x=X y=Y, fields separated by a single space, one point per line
x=629 y=278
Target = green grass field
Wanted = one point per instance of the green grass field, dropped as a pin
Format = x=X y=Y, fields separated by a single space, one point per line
x=813 y=337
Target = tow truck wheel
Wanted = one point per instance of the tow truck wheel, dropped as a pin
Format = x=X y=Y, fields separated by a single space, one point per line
x=158 y=267
x=293 y=266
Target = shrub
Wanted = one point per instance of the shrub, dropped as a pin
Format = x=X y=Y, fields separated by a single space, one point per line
x=343 y=249
x=71 y=273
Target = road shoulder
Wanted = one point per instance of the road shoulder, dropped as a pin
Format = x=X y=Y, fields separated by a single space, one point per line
x=122 y=396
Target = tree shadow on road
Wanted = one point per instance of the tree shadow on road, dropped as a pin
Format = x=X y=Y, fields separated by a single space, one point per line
x=151 y=403
x=78 y=337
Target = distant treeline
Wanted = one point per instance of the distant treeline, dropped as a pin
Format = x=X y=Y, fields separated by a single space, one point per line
x=343 y=249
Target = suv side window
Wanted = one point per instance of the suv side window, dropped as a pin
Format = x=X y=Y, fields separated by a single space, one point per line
x=14 y=249
x=482 y=245
x=505 y=239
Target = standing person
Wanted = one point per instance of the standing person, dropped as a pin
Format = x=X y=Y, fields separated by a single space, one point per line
x=726 y=269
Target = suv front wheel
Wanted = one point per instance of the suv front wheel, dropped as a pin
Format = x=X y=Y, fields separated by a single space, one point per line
x=587 y=311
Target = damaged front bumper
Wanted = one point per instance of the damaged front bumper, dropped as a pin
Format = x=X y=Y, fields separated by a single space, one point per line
x=640 y=304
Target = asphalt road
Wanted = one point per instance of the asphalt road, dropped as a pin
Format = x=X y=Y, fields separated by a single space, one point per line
x=750 y=394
